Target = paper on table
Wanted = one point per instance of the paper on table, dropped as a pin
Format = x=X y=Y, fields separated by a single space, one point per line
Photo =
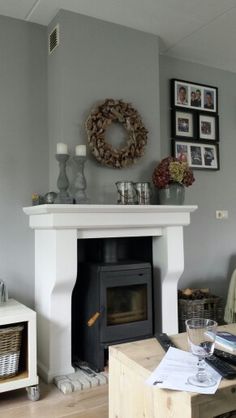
x=174 y=370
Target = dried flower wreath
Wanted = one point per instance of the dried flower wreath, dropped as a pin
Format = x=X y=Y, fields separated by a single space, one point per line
x=103 y=116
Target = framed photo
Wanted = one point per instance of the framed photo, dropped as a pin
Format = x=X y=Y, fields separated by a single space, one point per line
x=194 y=96
x=199 y=155
x=183 y=124
x=208 y=127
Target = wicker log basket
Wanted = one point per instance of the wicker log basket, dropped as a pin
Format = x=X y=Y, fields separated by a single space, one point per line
x=10 y=344
x=199 y=303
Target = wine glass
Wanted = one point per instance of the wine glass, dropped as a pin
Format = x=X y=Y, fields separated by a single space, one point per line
x=201 y=335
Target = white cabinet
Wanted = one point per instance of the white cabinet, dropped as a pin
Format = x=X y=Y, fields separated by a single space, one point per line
x=12 y=313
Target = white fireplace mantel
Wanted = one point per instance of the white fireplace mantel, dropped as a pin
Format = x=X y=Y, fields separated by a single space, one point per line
x=57 y=229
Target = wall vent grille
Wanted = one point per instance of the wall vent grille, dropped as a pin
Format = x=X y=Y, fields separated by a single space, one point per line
x=53 y=40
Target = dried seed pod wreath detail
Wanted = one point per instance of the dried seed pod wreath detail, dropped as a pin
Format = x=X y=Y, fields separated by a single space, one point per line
x=103 y=116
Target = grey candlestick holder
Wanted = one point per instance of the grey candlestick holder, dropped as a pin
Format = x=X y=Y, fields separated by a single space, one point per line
x=62 y=181
x=80 y=183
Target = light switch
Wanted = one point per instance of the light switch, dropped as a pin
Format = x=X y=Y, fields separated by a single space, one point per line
x=222 y=214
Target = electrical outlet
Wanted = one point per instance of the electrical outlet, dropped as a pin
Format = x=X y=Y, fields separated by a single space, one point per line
x=222 y=214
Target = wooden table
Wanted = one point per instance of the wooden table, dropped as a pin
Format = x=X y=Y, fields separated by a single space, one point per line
x=130 y=365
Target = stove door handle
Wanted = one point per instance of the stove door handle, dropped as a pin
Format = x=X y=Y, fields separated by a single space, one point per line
x=95 y=317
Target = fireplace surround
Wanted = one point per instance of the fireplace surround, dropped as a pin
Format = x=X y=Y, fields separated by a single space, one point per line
x=57 y=230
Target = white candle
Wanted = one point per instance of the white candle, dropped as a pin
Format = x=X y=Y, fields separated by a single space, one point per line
x=62 y=148
x=80 y=150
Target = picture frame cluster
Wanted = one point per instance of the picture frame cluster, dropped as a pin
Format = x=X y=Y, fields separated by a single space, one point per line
x=195 y=124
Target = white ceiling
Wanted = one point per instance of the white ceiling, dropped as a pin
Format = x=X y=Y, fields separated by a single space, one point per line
x=201 y=31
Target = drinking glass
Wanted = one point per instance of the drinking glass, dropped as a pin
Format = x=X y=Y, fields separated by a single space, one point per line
x=201 y=335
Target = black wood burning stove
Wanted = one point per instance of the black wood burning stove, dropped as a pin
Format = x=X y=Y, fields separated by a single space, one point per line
x=111 y=303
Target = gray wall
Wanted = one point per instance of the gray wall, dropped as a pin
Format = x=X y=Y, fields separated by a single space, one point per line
x=98 y=60
x=210 y=244
x=24 y=147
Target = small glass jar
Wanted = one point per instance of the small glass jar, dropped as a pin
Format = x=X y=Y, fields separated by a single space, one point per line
x=126 y=193
x=143 y=190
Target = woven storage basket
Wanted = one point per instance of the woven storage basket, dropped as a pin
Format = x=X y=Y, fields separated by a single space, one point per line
x=10 y=343
x=210 y=308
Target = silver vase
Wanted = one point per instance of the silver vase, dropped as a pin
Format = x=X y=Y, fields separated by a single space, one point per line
x=174 y=194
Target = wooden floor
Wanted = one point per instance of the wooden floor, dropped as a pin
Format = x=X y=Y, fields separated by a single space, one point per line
x=92 y=403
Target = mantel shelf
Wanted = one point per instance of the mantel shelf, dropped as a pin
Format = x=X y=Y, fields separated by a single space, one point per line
x=59 y=208
x=108 y=217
